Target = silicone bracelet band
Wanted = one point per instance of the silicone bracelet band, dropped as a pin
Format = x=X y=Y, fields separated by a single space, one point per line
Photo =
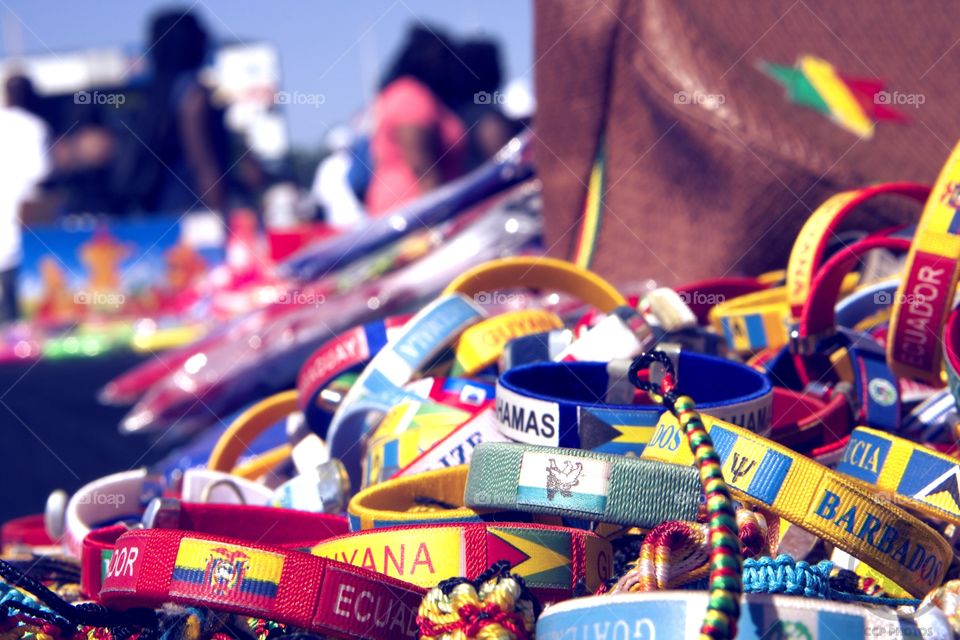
x=819 y=500
x=925 y=481
x=566 y=404
x=581 y=484
x=677 y=615
x=236 y=439
x=926 y=293
x=482 y=344
x=551 y=560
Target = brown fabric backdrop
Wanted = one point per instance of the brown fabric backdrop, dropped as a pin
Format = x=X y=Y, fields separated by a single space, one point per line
x=694 y=191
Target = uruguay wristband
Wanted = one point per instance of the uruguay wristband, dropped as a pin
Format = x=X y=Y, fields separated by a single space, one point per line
x=926 y=292
x=152 y=567
x=380 y=385
x=669 y=615
x=432 y=497
x=482 y=344
x=924 y=480
x=281 y=527
x=551 y=560
x=569 y=404
x=347 y=352
x=582 y=484
x=822 y=501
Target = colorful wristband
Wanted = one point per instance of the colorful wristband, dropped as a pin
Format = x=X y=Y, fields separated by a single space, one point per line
x=819 y=500
x=582 y=484
x=569 y=404
x=926 y=293
x=551 y=560
x=482 y=344
x=236 y=440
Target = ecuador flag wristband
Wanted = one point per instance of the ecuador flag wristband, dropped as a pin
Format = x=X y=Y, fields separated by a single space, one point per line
x=813 y=497
x=551 y=560
x=581 y=484
x=151 y=567
x=930 y=278
x=924 y=480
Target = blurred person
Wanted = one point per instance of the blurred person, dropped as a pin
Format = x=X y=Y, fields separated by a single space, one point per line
x=179 y=151
x=480 y=101
x=24 y=162
x=332 y=189
x=418 y=142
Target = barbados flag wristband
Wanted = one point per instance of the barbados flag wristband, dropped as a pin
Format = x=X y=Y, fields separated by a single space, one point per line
x=926 y=293
x=585 y=405
x=432 y=497
x=581 y=484
x=677 y=615
x=824 y=502
x=152 y=567
x=551 y=560
x=924 y=480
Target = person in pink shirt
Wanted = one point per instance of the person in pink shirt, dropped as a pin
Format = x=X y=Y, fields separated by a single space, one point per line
x=418 y=142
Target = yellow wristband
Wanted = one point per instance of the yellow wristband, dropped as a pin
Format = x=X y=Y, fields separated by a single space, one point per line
x=536 y=272
x=482 y=344
x=923 y=480
x=236 y=440
x=834 y=507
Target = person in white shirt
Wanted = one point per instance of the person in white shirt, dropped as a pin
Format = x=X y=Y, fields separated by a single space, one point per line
x=331 y=187
x=24 y=162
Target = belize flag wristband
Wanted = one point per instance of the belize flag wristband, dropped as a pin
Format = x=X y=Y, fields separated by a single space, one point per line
x=244 y=575
x=551 y=560
x=836 y=508
x=581 y=484
x=677 y=615
x=575 y=404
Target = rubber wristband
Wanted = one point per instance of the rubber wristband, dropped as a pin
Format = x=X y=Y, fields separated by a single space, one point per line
x=582 y=484
x=348 y=352
x=810 y=246
x=701 y=296
x=281 y=527
x=867 y=306
x=236 y=440
x=433 y=497
x=924 y=480
x=933 y=420
x=551 y=560
x=537 y=272
x=567 y=404
x=803 y=422
x=926 y=293
x=482 y=344
x=27 y=533
x=255 y=579
x=822 y=501
x=677 y=615
x=951 y=346
x=380 y=384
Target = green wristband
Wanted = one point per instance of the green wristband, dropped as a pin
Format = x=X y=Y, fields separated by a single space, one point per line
x=583 y=484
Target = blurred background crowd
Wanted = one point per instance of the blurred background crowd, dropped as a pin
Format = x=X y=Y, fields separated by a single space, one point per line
x=192 y=117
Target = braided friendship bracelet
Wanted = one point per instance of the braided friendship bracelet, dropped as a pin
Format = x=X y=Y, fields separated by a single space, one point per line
x=723 y=611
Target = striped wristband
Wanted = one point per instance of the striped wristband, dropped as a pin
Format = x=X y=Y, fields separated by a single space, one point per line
x=581 y=484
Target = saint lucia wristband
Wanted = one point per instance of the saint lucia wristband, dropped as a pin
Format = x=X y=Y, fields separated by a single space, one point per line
x=581 y=484
x=482 y=344
x=152 y=567
x=347 y=352
x=380 y=385
x=571 y=404
x=824 y=502
x=677 y=615
x=432 y=497
x=551 y=560
x=924 y=480
x=926 y=293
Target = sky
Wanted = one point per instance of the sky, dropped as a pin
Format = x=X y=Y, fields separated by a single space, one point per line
x=334 y=48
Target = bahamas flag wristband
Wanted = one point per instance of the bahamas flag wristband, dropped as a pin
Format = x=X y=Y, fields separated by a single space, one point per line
x=836 y=508
x=586 y=405
x=551 y=560
x=581 y=484
x=677 y=615
x=923 y=480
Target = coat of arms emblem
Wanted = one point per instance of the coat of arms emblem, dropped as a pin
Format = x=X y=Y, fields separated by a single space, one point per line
x=562 y=480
